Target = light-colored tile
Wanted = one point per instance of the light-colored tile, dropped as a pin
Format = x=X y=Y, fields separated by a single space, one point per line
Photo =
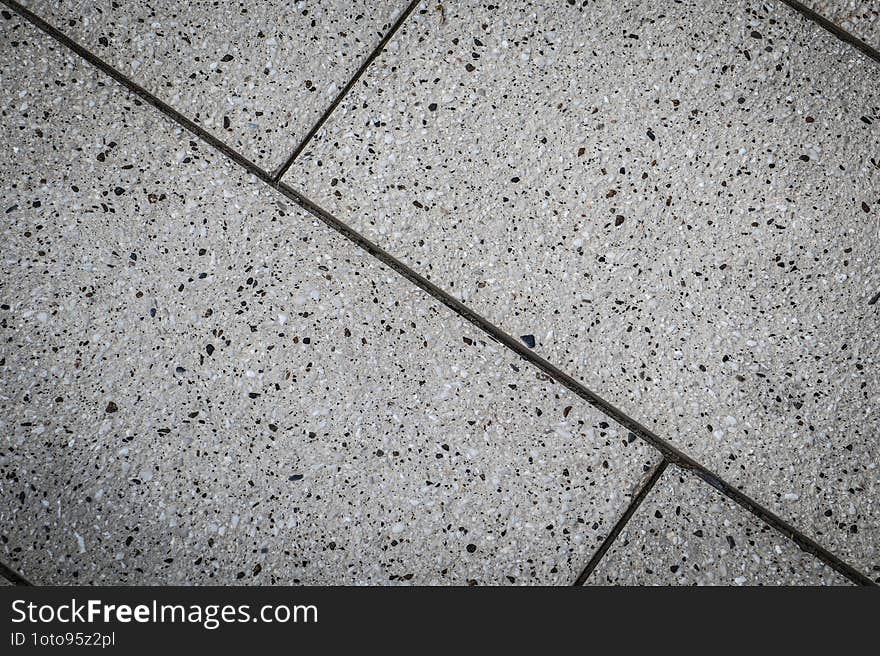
x=686 y=533
x=201 y=384
x=860 y=18
x=679 y=202
x=256 y=73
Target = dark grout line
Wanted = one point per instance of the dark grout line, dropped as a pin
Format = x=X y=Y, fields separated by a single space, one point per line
x=670 y=453
x=139 y=91
x=364 y=66
x=835 y=29
x=12 y=576
x=634 y=504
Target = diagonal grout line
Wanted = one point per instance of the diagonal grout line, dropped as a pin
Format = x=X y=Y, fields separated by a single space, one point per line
x=835 y=29
x=364 y=66
x=670 y=453
x=12 y=576
x=634 y=504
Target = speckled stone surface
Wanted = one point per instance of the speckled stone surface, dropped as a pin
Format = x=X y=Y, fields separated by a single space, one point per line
x=256 y=73
x=860 y=18
x=678 y=201
x=687 y=533
x=201 y=384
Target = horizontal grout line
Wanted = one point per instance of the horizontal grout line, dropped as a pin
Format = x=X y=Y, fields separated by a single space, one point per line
x=835 y=29
x=634 y=504
x=12 y=576
x=364 y=66
x=670 y=453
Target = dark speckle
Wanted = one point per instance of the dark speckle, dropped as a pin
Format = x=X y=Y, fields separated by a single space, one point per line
x=111 y=407
x=528 y=340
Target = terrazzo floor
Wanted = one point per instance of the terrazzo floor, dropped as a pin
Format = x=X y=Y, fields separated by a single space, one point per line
x=440 y=293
